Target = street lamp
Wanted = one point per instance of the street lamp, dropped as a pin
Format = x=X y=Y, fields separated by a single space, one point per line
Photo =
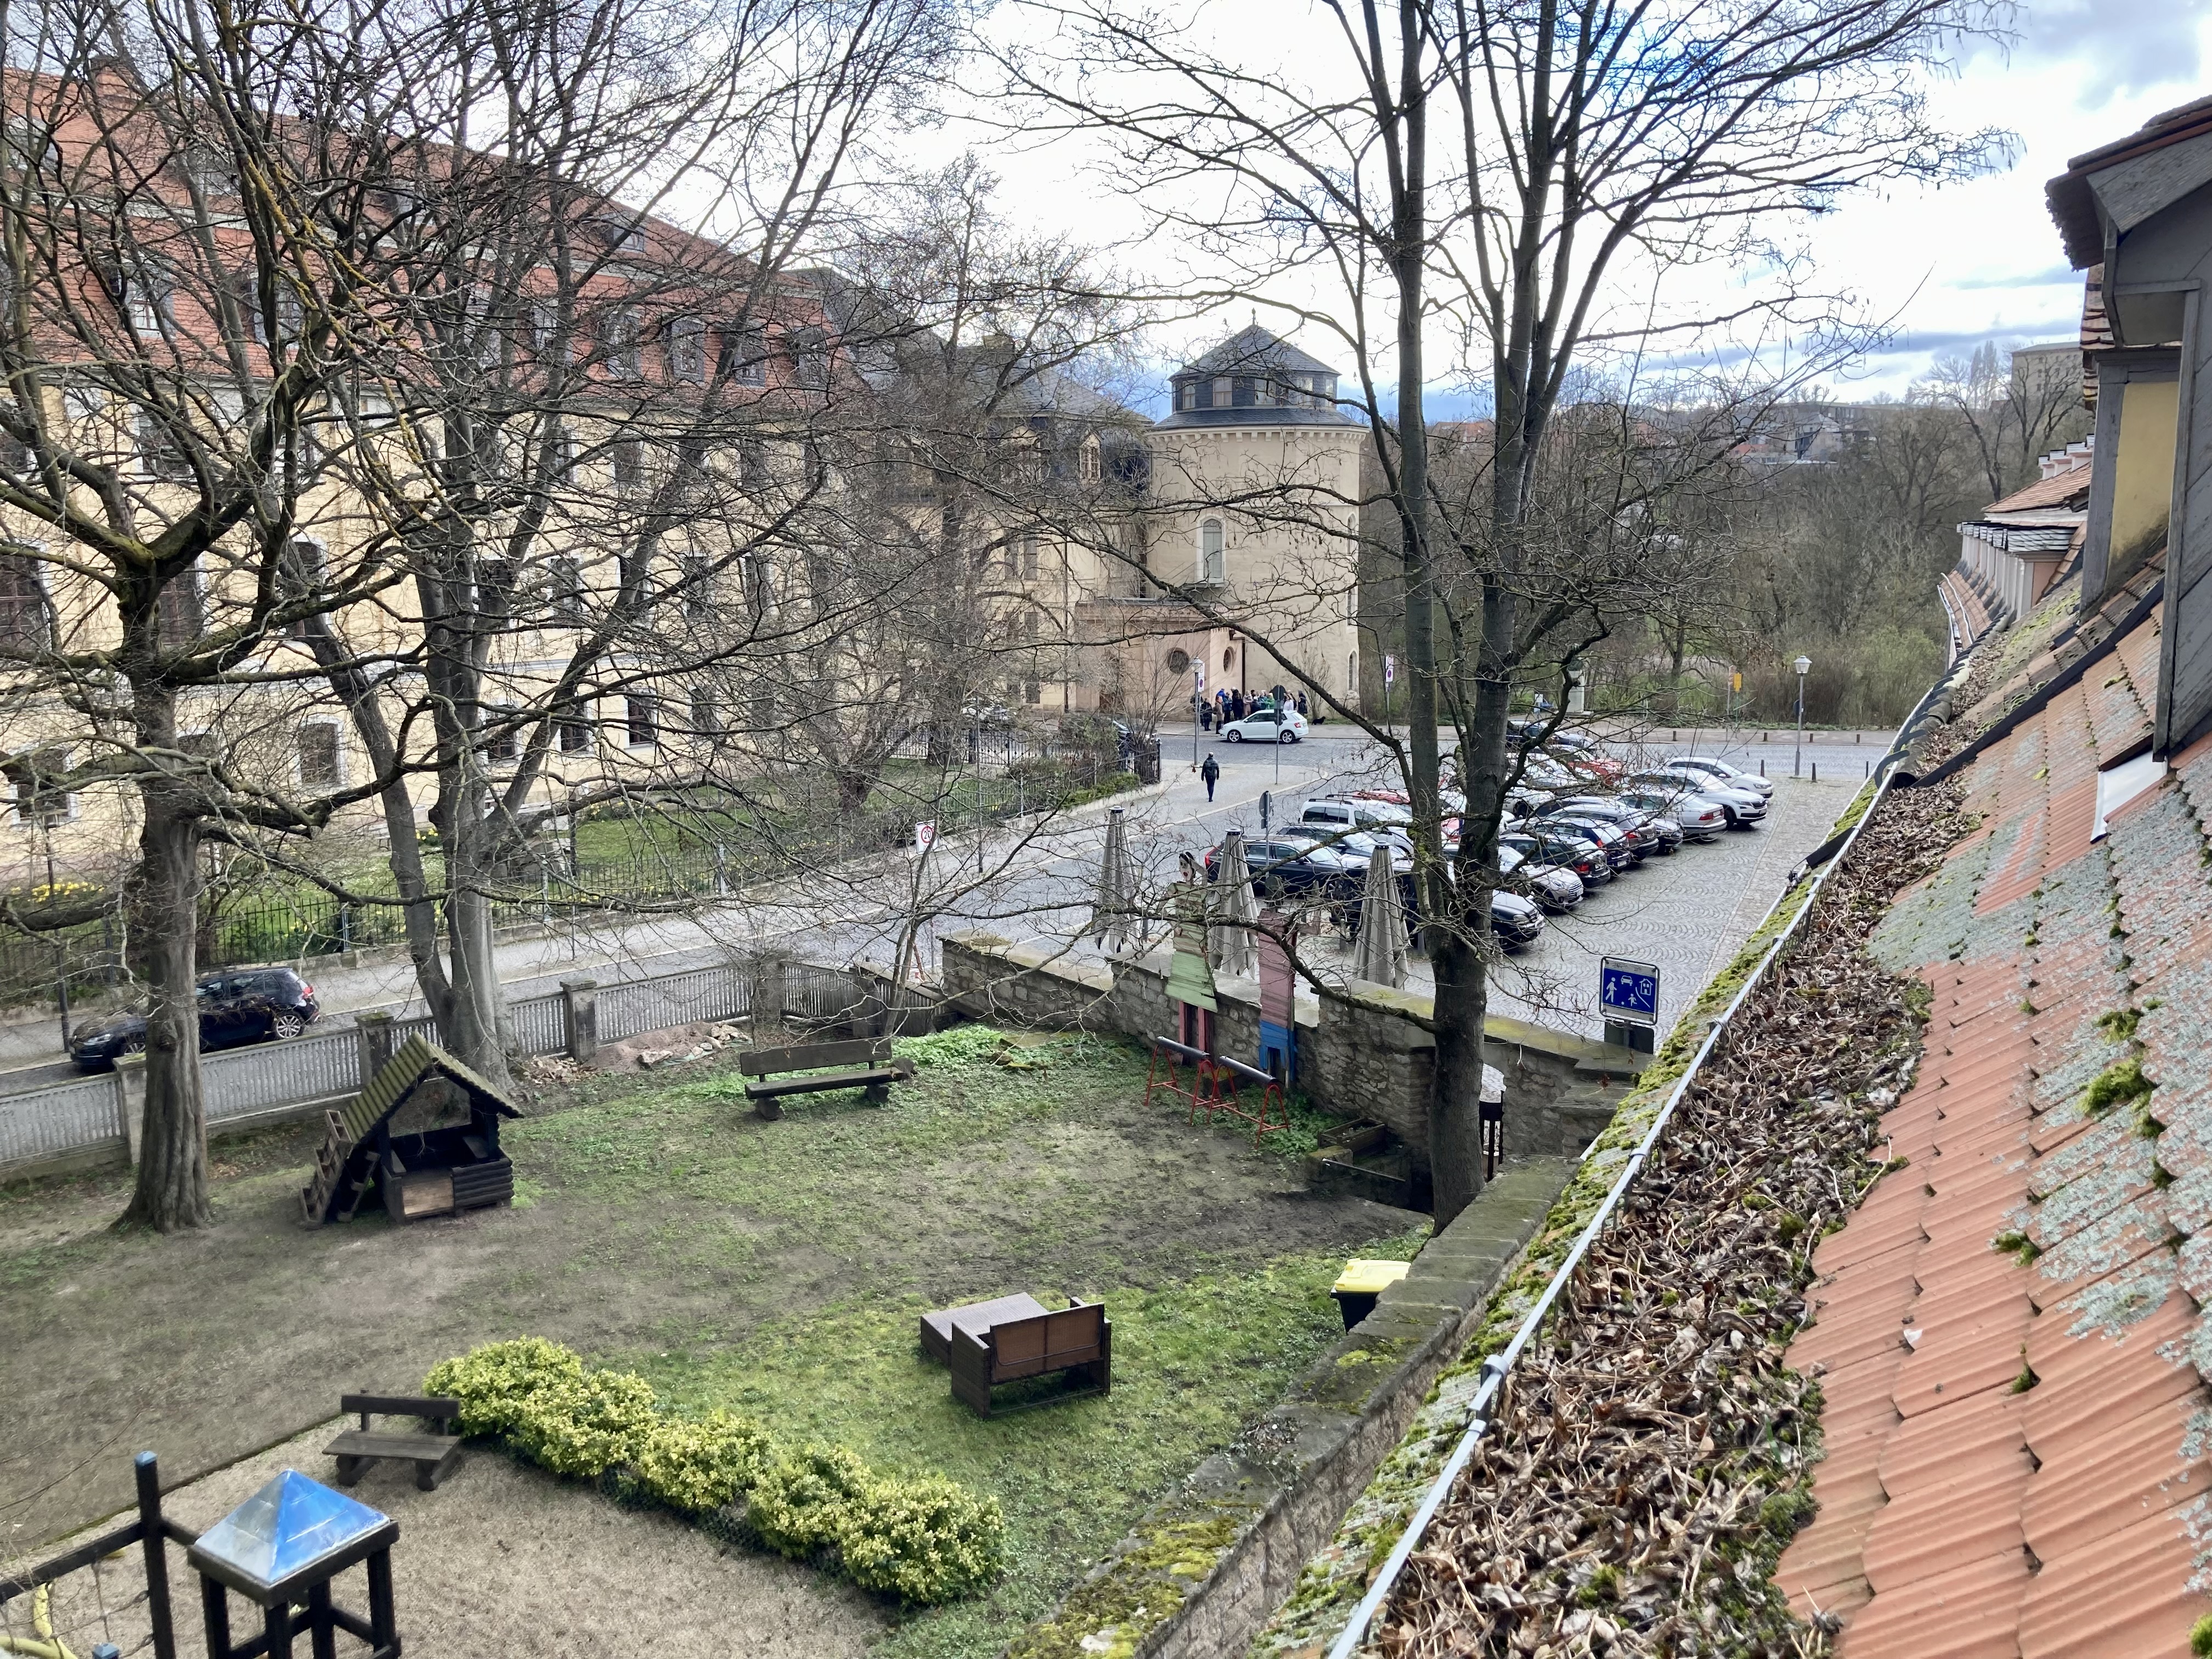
x=1804 y=667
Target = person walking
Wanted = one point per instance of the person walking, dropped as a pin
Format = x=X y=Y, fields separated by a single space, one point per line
x=1302 y=705
x=1204 y=716
x=1211 y=773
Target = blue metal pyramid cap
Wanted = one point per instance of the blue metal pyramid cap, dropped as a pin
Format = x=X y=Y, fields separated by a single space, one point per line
x=285 y=1529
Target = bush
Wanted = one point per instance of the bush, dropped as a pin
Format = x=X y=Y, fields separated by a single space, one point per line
x=924 y=1541
x=496 y=1382
x=698 y=1466
x=587 y=1426
x=801 y=1504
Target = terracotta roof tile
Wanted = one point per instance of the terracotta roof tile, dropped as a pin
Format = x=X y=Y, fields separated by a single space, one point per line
x=2042 y=1448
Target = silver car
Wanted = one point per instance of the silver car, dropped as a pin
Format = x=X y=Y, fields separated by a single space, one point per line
x=1743 y=806
x=1728 y=777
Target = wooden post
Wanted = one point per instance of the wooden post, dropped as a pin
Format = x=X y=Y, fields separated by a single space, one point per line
x=579 y=1013
x=374 y=1042
x=130 y=1100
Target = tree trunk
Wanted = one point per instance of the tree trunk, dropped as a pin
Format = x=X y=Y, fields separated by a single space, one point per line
x=172 y=1191
x=1455 y=1092
x=477 y=1032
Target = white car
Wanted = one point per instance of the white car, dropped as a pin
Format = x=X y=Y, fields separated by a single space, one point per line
x=1269 y=726
x=1733 y=777
x=1556 y=887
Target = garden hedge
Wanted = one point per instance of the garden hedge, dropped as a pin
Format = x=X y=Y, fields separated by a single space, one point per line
x=924 y=1539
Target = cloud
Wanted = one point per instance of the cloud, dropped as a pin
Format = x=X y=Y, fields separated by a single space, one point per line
x=2049 y=278
x=2112 y=46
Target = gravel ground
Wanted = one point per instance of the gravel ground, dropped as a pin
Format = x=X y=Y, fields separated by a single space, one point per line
x=502 y=1560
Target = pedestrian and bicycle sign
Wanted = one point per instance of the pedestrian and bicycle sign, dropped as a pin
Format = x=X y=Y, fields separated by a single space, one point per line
x=1628 y=991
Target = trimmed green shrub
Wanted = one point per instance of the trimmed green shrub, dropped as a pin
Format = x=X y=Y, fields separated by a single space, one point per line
x=700 y=1465
x=496 y=1382
x=587 y=1426
x=923 y=1540
x=801 y=1504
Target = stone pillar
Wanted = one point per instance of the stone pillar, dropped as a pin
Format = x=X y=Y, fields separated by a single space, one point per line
x=130 y=1100
x=767 y=1000
x=375 y=1040
x=579 y=1008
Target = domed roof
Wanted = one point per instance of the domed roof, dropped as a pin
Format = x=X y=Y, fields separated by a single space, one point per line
x=1255 y=379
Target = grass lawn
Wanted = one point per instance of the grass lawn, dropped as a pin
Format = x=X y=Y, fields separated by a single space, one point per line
x=775 y=1268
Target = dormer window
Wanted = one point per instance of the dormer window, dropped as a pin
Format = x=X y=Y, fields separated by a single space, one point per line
x=621 y=233
x=1088 y=467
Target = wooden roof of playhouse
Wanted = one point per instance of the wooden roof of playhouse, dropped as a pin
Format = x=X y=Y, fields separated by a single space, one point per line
x=421 y=1089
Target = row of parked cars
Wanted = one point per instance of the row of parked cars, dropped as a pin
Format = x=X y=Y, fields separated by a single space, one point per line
x=1577 y=822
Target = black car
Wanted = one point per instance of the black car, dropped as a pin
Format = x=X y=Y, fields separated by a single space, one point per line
x=1548 y=845
x=1650 y=830
x=1621 y=846
x=249 y=1004
x=1298 y=867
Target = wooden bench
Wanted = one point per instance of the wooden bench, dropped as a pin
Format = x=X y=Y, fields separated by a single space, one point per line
x=986 y=1348
x=433 y=1454
x=867 y=1063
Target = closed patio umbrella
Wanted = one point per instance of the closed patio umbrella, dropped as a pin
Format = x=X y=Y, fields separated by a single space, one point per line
x=1379 y=954
x=1235 y=909
x=1112 y=917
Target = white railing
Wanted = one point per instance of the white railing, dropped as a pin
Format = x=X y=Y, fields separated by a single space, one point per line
x=40 y=1126
x=83 y=1114
x=244 y=1082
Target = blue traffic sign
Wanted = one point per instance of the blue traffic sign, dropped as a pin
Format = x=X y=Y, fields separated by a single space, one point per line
x=1628 y=990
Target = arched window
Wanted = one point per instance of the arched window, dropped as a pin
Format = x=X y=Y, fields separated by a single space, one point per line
x=1212 y=558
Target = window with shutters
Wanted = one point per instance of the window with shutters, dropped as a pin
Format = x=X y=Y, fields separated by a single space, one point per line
x=319 y=755
x=641 y=721
x=568 y=593
x=572 y=731
x=744 y=356
x=698 y=590
x=706 y=713
x=1030 y=557
x=618 y=337
x=1088 y=467
x=752 y=464
x=181 y=610
x=159 y=454
x=626 y=458
x=687 y=349
x=301 y=581
x=502 y=743
x=39 y=798
x=26 y=623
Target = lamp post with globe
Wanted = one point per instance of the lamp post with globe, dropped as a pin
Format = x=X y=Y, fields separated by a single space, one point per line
x=1804 y=667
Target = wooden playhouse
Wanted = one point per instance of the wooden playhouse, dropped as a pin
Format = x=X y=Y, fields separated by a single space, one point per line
x=423 y=1136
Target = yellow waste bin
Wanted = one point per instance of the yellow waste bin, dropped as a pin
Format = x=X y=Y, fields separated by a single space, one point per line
x=1360 y=1283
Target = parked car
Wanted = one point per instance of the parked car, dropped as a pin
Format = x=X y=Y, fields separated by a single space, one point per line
x=1620 y=849
x=1300 y=866
x=1722 y=773
x=1355 y=847
x=251 y=1004
x=1268 y=726
x=1554 y=886
x=1380 y=819
x=1515 y=919
x=1700 y=816
x=1649 y=830
x=1743 y=807
x=1550 y=845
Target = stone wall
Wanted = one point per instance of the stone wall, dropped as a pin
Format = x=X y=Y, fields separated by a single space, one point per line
x=1366 y=1057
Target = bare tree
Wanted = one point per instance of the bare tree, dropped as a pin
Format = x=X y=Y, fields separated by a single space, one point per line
x=184 y=328
x=1509 y=171
x=2015 y=406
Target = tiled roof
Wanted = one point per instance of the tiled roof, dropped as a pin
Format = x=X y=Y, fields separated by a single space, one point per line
x=2066 y=490
x=2016 y=1438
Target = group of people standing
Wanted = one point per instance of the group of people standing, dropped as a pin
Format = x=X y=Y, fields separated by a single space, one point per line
x=1225 y=706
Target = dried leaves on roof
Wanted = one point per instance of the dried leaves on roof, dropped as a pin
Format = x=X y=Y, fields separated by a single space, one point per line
x=1650 y=1460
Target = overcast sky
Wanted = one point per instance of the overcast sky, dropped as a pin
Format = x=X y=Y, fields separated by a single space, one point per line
x=1952 y=267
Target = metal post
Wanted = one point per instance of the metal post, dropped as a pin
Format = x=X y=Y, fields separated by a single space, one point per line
x=61 y=947
x=152 y=1541
x=1802 y=665
x=1197 y=683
